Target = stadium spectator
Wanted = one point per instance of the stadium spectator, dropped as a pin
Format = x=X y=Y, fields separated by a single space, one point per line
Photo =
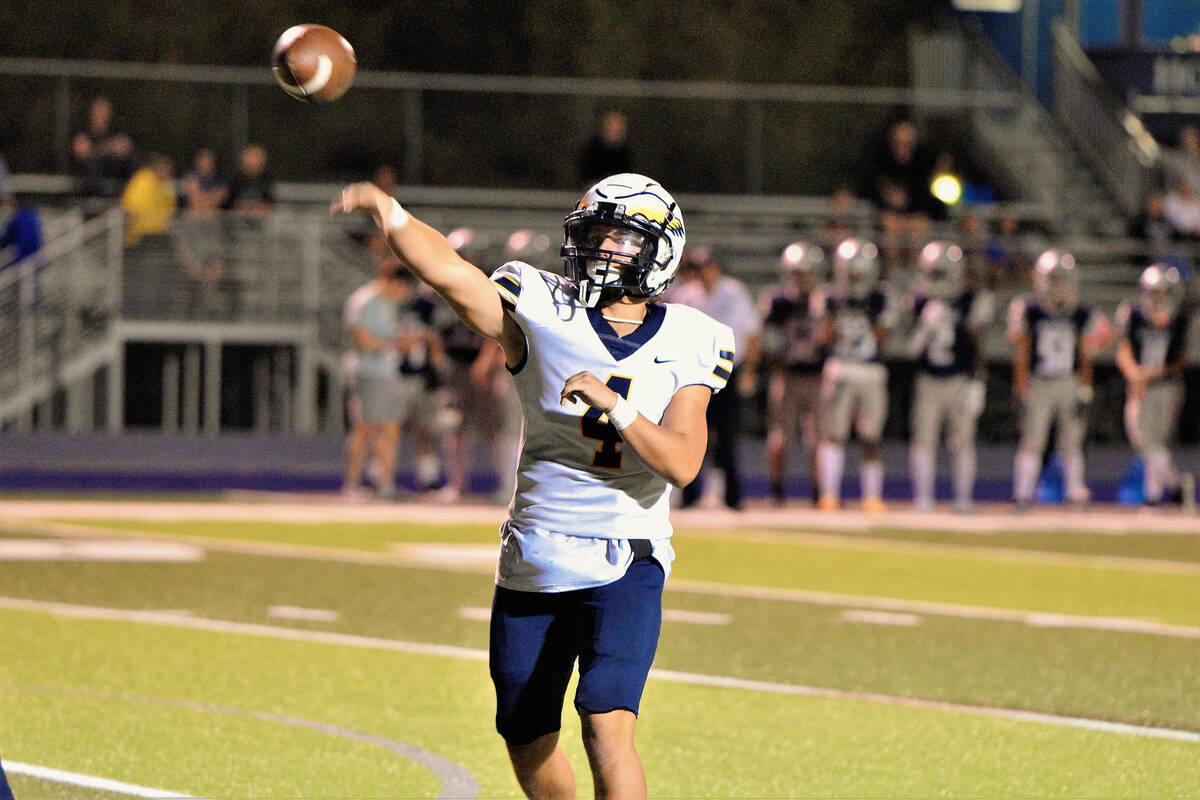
x=149 y=200
x=899 y=186
x=385 y=178
x=608 y=152
x=587 y=534
x=1007 y=261
x=1156 y=235
x=101 y=159
x=841 y=222
x=252 y=190
x=22 y=235
x=725 y=299
x=199 y=235
x=1181 y=207
x=1182 y=163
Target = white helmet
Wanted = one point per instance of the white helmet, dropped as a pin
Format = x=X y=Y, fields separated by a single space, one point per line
x=642 y=215
x=1161 y=287
x=941 y=269
x=1054 y=277
x=802 y=258
x=856 y=267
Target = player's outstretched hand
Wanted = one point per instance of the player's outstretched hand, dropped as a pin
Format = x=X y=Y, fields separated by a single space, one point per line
x=365 y=197
x=587 y=387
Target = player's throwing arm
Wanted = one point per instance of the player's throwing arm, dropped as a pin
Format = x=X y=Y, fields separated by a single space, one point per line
x=431 y=258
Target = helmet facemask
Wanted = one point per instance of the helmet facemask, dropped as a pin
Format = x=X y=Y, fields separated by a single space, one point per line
x=624 y=239
x=606 y=259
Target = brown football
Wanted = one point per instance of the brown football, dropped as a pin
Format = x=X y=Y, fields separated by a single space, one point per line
x=312 y=62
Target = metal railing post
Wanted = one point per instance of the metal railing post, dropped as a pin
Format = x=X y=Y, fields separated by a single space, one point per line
x=755 y=148
x=414 y=137
x=62 y=123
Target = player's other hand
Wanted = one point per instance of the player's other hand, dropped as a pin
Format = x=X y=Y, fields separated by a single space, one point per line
x=365 y=197
x=586 y=387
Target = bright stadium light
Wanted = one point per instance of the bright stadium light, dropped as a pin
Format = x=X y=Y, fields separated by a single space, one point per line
x=947 y=188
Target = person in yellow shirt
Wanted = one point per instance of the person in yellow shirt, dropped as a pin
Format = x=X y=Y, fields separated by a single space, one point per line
x=149 y=199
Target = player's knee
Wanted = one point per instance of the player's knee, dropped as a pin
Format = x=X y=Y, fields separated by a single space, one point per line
x=609 y=736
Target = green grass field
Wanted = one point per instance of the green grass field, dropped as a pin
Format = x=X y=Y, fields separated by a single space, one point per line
x=792 y=664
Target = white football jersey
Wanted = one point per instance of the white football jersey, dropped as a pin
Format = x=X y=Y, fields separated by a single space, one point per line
x=576 y=478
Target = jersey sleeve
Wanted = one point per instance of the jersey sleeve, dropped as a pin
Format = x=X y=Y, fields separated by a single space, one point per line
x=714 y=359
x=508 y=280
x=982 y=310
x=1121 y=319
x=1017 y=325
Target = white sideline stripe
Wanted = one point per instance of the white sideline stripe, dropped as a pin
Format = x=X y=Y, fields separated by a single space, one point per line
x=879 y=618
x=1034 y=618
x=89 y=781
x=472 y=654
x=303 y=614
x=669 y=615
x=396 y=559
x=98 y=550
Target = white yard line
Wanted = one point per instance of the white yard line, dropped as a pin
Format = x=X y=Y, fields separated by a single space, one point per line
x=899 y=605
x=88 y=781
x=472 y=563
x=671 y=676
x=303 y=614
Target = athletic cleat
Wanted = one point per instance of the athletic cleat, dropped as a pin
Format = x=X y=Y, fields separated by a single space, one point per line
x=964 y=507
x=923 y=506
x=873 y=505
x=1187 y=492
x=828 y=502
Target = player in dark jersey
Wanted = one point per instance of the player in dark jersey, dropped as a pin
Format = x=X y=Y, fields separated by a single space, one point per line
x=792 y=347
x=1151 y=351
x=1052 y=373
x=857 y=318
x=949 y=388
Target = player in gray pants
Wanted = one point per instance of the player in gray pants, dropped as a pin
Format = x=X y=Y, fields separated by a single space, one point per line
x=1151 y=350
x=949 y=388
x=1052 y=374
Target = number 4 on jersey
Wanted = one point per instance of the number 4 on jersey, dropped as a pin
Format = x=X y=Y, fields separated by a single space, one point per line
x=608 y=455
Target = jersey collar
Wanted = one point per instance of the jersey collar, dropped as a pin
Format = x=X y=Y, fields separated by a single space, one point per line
x=620 y=347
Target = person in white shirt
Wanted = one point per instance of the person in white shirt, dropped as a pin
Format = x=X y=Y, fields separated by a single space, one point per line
x=614 y=387
x=725 y=299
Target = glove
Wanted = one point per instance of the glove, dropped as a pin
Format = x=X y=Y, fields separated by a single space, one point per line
x=976 y=396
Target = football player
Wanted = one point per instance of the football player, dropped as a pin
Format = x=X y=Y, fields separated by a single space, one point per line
x=791 y=344
x=614 y=387
x=1052 y=374
x=1151 y=350
x=949 y=391
x=857 y=316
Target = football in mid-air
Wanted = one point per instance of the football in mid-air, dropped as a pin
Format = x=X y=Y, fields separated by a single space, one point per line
x=312 y=62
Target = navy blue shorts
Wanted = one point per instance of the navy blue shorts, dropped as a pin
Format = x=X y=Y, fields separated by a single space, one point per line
x=536 y=637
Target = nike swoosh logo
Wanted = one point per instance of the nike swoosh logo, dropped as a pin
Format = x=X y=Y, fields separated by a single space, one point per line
x=658 y=360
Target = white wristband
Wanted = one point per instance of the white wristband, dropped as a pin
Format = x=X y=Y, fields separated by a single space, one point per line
x=622 y=415
x=396 y=218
